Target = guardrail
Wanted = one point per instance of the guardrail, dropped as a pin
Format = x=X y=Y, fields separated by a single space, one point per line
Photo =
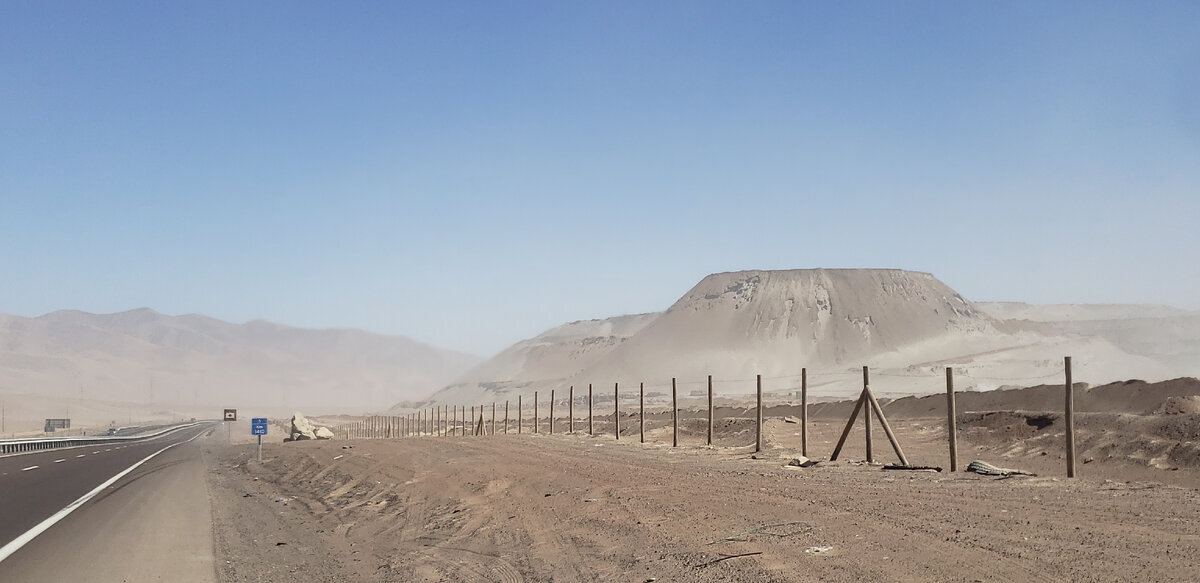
x=26 y=445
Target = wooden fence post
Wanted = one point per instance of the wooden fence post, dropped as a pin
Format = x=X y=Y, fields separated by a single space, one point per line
x=887 y=428
x=1069 y=410
x=617 y=409
x=571 y=409
x=535 y=412
x=867 y=416
x=758 y=423
x=710 y=410
x=506 y=416
x=804 y=412
x=551 y=411
x=493 y=418
x=674 y=415
x=473 y=432
x=951 y=419
x=520 y=415
x=641 y=412
x=590 y=432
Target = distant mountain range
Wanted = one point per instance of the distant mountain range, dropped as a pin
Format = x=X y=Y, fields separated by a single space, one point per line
x=908 y=326
x=143 y=356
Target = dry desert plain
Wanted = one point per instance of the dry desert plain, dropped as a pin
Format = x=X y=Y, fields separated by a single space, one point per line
x=574 y=507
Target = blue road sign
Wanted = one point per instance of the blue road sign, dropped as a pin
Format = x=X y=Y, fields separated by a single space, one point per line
x=258 y=426
x=259 y=420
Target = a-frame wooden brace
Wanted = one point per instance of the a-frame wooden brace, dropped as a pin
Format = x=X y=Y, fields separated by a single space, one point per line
x=868 y=398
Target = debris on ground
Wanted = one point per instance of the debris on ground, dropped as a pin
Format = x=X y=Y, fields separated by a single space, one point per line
x=727 y=557
x=801 y=462
x=913 y=468
x=986 y=469
x=779 y=530
x=815 y=550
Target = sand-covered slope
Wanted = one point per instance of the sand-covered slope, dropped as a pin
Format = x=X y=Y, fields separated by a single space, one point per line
x=1166 y=334
x=558 y=353
x=908 y=326
x=142 y=356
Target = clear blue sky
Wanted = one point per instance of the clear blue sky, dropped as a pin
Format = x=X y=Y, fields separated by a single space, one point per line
x=469 y=174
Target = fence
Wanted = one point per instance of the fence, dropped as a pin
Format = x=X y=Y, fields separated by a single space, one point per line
x=452 y=421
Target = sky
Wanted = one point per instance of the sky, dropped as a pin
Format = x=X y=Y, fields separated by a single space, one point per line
x=469 y=174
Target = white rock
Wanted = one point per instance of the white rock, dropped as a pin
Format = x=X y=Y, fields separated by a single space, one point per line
x=302 y=428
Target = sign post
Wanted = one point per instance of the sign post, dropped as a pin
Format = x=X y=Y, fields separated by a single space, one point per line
x=258 y=426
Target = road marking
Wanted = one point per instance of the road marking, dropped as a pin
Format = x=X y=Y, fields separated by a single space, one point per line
x=110 y=449
x=15 y=544
x=60 y=461
x=99 y=452
x=30 y=468
x=81 y=455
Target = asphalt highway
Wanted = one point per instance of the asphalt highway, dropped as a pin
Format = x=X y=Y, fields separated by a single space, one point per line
x=161 y=504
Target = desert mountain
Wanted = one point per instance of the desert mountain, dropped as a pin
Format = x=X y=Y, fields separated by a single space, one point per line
x=557 y=353
x=908 y=326
x=192 y=361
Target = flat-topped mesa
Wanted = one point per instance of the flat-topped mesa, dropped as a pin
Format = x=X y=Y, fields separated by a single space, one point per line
x=822 y=315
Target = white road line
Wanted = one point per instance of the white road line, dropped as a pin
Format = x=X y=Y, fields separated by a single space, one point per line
x=110 y=449
x=15 y=544
x=60 y=461
x=30 y=468
x=81 y=455
x=99 y=452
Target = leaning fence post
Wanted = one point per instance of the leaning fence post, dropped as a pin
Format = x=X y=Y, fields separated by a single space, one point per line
x=1069 y=410
x=674 y=415
x=758 y=423
x=951 y=421
x=617 y=409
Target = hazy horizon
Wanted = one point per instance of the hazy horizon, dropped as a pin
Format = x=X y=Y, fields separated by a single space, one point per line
x=468 y=174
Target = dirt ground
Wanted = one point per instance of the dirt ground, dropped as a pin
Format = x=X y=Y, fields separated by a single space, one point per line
x=583 y=508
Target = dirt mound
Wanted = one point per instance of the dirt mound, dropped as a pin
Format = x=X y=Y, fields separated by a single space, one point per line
x=1164 y=442
x=1179 y=406
x=1137 y=396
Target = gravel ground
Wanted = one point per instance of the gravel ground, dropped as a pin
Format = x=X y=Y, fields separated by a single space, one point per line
x=580 y=508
